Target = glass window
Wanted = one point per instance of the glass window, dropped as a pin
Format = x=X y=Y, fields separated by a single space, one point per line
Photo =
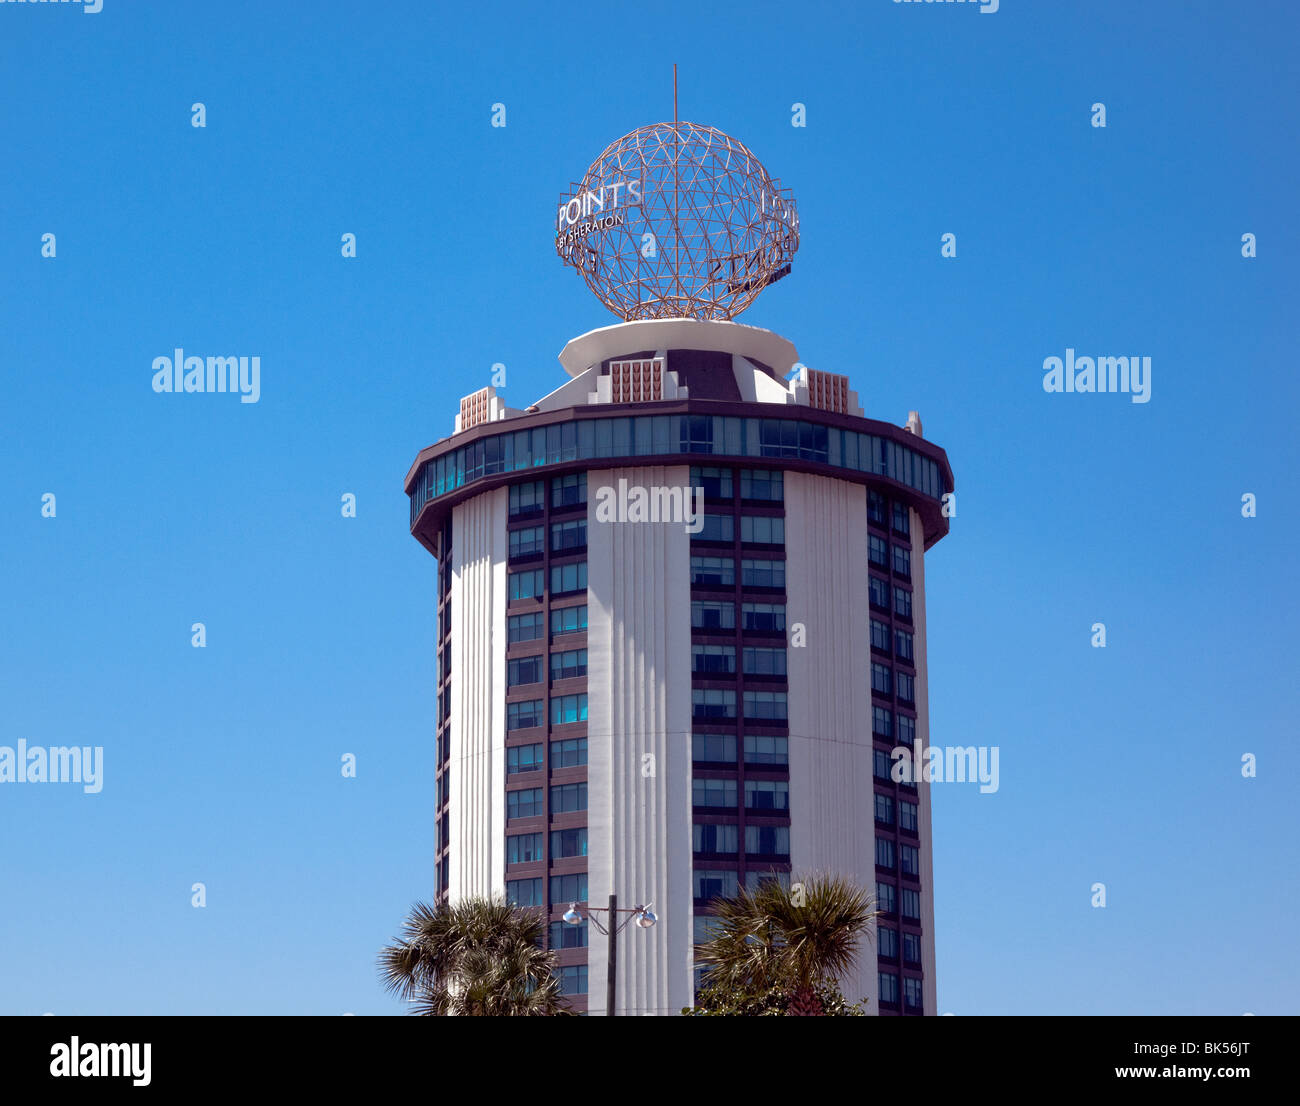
x=886 y=897
x=569 y=753
x=526 y=627
x=716 y=482
x=568 y=842
x=755 y=877
x=527 y=584
x=444 y=705
x=604 y=438
x=879 y=635
x=566 y=798
x=766 y=705
x=569 y=664
x=713 y=616
x=762 y=529
x=884 y=853
x=642 y=432
x=525 y=892
x=906 y=687
x=569 y=888
x=660 y=435
x=903 y=644
x=713 y=792
x=622 y=438
x=573 y=978
x=763 y=617
x=569 y=620
x=732 y=434
x=696 y=434
x=767 y=794
x=716 y=528
x=523 y=848
x=912 y=994
x=903 y=602
x=768 y=484
x=887 y=943
x=881 y=679
x=713 y=659
x=767 y=840
x=526 y=541
x=764 y=662
x=879 y=593
x=523 y=758
x=911 y=904
x=570 y=490
x=906 y=729
x=524 y=804
x=881 y=764
x=907 y=816
x=568 y=708
x=884 y=809
x=889 y=988
x=568 y=535
x=882 y=721
x=766 y=750
x=902 y=562
x=570 y=577
x=878 y=551
x=565 y=936
x=520 y=716
x=709 y=703
x=762 y=574
x=715 y=883
x=912 y=948
x=909 y=857
x=716 y=839
x=526 y=499
x=713 y=748
x=786 y=431
x=524 y=670
x=519 y=452
x=713 y=571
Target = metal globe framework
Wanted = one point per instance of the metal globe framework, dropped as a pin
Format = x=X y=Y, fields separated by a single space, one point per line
x=677 y=220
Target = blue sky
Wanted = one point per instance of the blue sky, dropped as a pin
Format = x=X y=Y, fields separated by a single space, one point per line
x=1119 y=765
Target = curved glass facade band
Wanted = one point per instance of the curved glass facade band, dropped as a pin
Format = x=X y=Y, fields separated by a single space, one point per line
x=723 y=436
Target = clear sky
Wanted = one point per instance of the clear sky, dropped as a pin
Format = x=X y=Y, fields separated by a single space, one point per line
x=1119 y=765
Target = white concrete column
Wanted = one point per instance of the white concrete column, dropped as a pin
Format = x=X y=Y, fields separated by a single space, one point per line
x=638 y=707
x=831 y=799
x=478 y=692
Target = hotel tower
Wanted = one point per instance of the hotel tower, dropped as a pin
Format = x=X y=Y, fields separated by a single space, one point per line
x=681 y=601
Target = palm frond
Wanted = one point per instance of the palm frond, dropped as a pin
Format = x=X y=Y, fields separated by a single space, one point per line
x=773 y=935
x=476 y=957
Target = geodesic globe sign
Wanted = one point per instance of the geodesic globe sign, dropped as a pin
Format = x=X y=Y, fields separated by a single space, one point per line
x=677 y=220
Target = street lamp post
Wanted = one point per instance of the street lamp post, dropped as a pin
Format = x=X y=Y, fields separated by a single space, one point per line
x=642 y=915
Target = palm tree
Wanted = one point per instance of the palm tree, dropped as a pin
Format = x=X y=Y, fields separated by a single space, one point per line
x=798 y=937
x=478 y=957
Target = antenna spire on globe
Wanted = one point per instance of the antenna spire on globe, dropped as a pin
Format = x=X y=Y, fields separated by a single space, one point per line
x=677 y=220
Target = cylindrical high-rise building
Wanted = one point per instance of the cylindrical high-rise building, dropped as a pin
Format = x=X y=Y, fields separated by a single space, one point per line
x=681 y=601
x=634 y=698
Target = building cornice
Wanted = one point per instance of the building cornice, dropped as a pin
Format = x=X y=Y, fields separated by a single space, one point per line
x=764 y=347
